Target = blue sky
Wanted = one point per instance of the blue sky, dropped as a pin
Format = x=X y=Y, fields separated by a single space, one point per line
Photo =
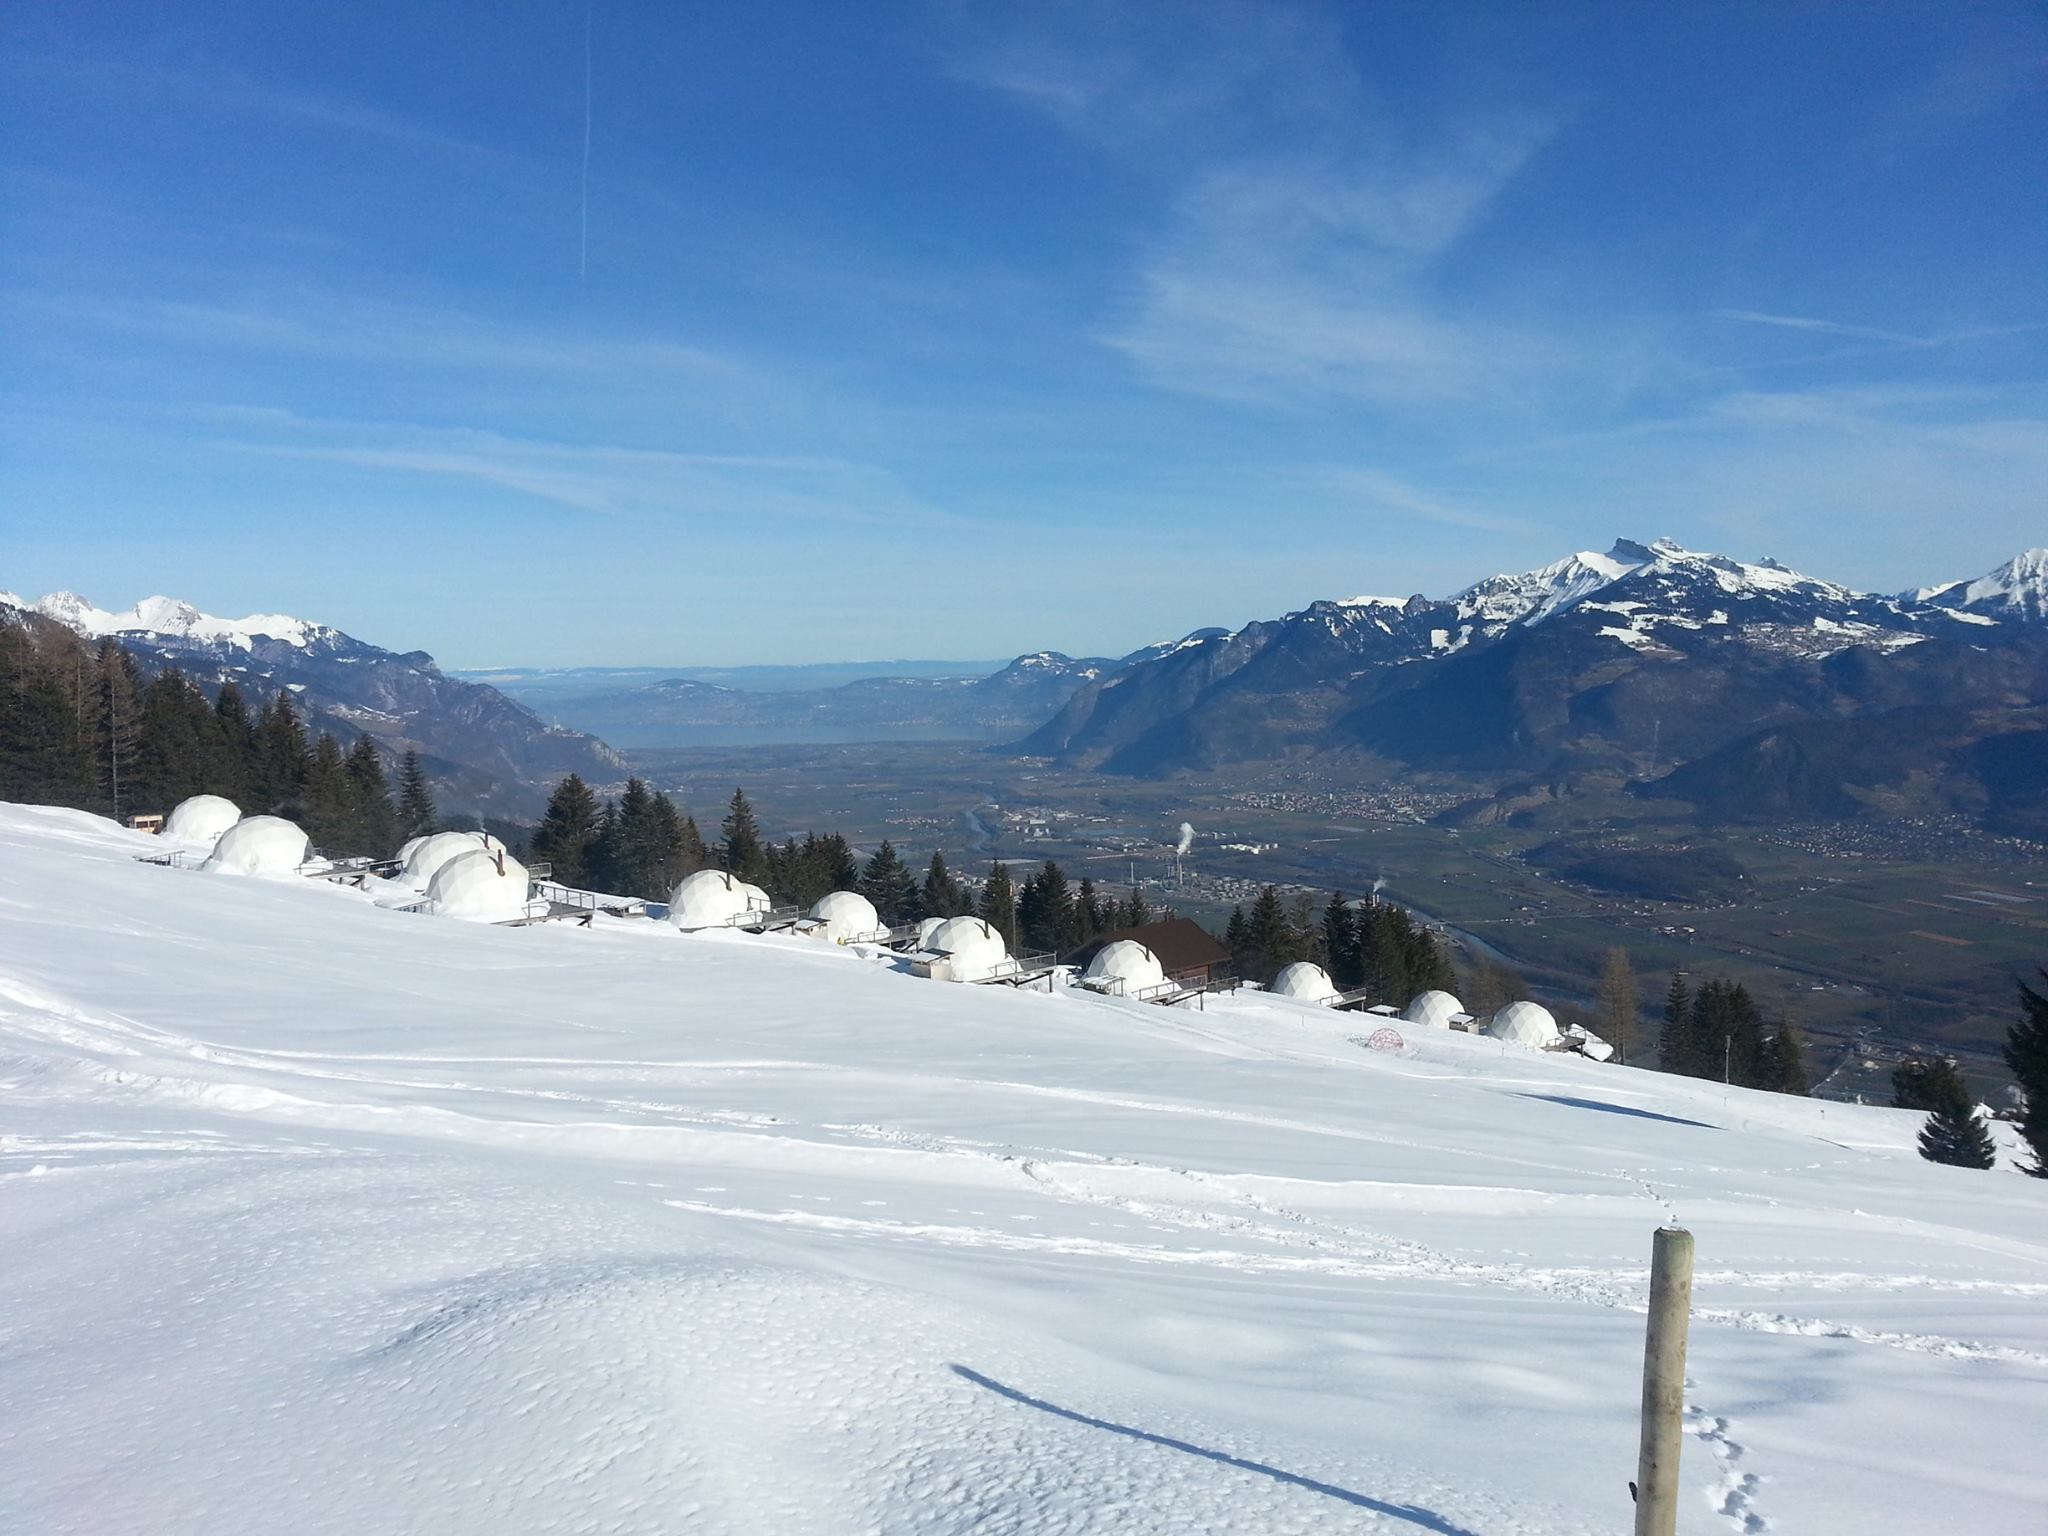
x=939 y=329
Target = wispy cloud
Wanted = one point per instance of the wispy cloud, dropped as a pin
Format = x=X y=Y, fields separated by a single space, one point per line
x=125 y=84
x=723 y=491
x=1304 y=224
x=1874 y=333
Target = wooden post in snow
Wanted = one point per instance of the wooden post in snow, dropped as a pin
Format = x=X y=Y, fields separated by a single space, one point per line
x=1656 y=1485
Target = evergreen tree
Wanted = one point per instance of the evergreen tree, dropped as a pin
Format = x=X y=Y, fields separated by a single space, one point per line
x=1954 y=1134
x=943 y=896
x=1620 y=1004
x=1092 y=915
x=1912 y=1084
x=1674 y=1040
x=1428 y=967
x=44 y=756
x=603 y=865
x=888 y=883
x=999 y=903
x=117 y=726
x=1045 y=911
x=325 y=798
x=277 y=778
x=1493 y=986
x=637 y=850
x=1136 y=914
x=232 y=746
x=1237 y=938
x=567 y=830
x=2026 y=1053
x=373 y=824
x=744 y=855
x=1785 y=1061
x=172 y=747
x=1340 y=943
x=835 y=856
x=1304 y=931
x=673 y=848
x=416 y=814
x=1266 y=937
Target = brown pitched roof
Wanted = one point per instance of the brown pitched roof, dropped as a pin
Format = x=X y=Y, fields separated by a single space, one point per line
x=1181 y=943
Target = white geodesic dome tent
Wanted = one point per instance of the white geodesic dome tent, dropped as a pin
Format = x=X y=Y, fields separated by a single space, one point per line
x=1434 y=1009
x=713 y=898
x=200 y=820
x=426 y=855
x=405 y=849
x=480 y=886
x=973 y=950
x=1527 y=1024
x=927 y=928
x=259 y=845
x=846 y=917
x=1126 y=962
x=1304 y=981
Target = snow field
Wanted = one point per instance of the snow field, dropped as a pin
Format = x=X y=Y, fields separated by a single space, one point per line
x=328 y=1218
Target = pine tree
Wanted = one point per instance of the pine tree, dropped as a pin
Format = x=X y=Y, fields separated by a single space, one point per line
x=325 y=798
x=1912 y=1084
x=2026 y=1053
x=1954 y=1134
x=1674 y=1040
x=943 y=896
x=1340 y=943
x=999 y=903
x=416 y=814
x=281 y=758
x=1620 y=1004
x=637 y=848
x=172 y=747
x=44 y=756
x=1266 y=937
x=742 y=834
x=670 y=851
x=373 y=824
x=232 y=746
x=1091 y=913
x=1237 y=938
x=1785 y=1061
x=888 y=883
x=1136 y=914
x=1045 y=911
x=117 y=725
x=566 y=832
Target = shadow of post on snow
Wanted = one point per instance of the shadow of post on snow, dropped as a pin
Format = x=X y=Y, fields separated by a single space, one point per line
x=1429 y=1520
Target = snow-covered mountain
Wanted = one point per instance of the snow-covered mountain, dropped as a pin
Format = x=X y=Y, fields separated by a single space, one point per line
x=325 y=1218
x=486 y=751
x=1643 y=655
x=2018 y=590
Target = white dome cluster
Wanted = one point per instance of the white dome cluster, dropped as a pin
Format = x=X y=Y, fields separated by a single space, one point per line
x=421 y=858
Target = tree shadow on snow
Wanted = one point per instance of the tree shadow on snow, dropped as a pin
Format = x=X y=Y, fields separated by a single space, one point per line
x=1429 y=1520
x=1614 y=1109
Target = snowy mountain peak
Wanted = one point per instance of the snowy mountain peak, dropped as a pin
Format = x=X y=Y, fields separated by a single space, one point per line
x=2017 y=589
x=175 y=617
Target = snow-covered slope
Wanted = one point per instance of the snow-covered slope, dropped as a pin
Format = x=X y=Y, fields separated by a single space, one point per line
x=324 y=1218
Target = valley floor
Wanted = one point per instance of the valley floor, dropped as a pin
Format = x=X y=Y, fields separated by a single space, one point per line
x=324 y=1218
